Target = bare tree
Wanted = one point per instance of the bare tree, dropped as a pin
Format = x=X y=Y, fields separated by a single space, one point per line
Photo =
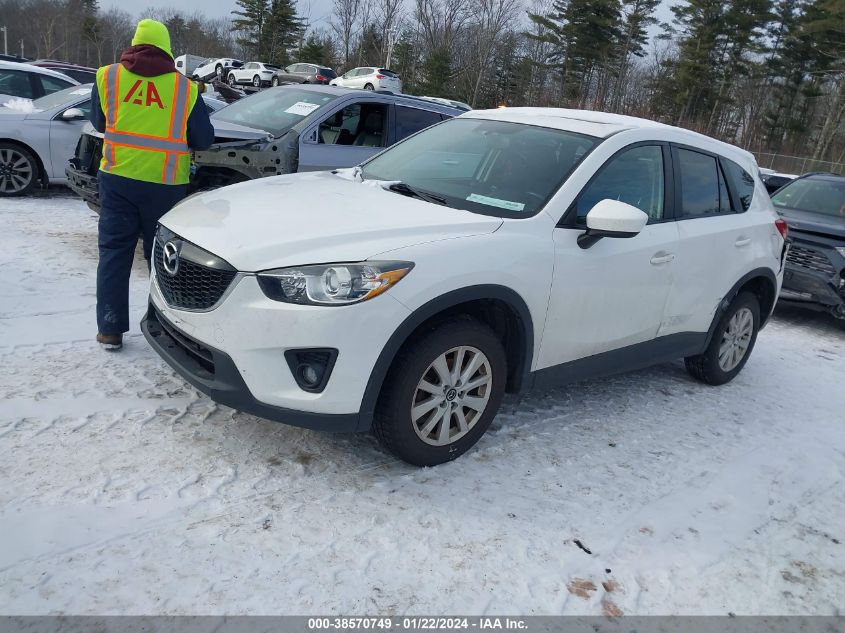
x=490 y=19
x=440 y=21
x=388 y=16
x=344 y=23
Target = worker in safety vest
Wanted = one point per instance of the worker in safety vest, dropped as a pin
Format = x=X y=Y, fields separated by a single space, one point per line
x=152 y=117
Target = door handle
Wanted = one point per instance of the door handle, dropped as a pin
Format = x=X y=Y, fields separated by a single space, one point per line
x=742 y=241
x=662 y=258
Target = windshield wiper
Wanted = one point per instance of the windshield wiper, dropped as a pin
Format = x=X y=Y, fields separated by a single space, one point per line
x=407 y=190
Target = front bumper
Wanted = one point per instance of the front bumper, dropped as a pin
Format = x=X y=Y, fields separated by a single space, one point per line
x=248 y=335
x=815 y=276
x=806 y=286
x=84 y=185
x=223 y=383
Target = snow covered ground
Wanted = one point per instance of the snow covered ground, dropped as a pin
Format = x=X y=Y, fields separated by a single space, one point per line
x=123 y=491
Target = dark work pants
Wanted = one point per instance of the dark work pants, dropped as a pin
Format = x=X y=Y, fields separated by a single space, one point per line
x=128 y=209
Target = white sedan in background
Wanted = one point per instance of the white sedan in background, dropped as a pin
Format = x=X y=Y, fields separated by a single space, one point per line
x=254 y=73
x=369 y=78
x=38 y=137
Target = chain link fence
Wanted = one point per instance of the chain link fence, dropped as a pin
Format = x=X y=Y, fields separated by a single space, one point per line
x=796 y=164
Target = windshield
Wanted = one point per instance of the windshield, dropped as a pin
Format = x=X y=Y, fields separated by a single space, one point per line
x=276 y=110
x=819 y=195
x=74 y=94
x=489 y=167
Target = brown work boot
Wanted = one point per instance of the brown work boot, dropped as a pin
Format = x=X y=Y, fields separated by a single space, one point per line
x=110 y=342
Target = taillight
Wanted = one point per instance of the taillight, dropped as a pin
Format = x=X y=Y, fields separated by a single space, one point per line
x=380 y=76
x=320 y=78
x=782 y=227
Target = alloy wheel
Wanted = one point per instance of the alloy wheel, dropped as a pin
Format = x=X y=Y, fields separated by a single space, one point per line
x=451 y=396
x=16 y=171
x=256 y=81
x=736 y=339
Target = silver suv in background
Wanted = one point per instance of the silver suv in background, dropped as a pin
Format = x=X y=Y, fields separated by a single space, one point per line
x=284 y=130
x=303 y=74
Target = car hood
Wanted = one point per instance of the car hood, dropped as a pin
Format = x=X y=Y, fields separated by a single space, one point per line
x=809 y=222
x=313 y=218
x=225 y=131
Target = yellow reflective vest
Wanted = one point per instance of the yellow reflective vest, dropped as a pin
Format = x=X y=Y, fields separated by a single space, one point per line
x=146 y=124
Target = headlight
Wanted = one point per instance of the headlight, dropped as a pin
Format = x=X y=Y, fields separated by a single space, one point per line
x=332 y=284
x=841 y=250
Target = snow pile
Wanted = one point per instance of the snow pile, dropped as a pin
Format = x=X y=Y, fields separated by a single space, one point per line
x=124 y=491
x=21 y=105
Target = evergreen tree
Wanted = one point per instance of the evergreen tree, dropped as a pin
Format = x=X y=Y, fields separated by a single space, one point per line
x=251 y=25
x=317 y=50
x=282 y=32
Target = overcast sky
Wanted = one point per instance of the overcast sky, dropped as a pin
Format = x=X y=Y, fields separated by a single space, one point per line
x=317 y=11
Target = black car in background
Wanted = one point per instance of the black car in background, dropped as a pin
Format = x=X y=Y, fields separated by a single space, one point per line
x=303 y=74
x=82 y=74
x=814 y=208
x=774 y=180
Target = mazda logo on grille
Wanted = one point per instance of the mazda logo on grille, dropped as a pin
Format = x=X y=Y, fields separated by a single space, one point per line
x=171 y=258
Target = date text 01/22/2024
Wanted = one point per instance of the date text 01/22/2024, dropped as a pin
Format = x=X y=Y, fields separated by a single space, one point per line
x=416 y=623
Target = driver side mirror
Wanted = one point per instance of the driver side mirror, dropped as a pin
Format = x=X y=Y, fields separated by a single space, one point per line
x=612 y=218
x=72 y=114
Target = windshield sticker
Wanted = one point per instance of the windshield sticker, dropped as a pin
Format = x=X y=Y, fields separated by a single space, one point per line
x=495 y=202
x=302 y=108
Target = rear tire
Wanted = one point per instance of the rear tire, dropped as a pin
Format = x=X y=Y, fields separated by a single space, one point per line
x=274 y=82
x=256 y=81
x=732 y=342
x=19 y=170
x=427 y=382
x=369 y=87
x=218 y=70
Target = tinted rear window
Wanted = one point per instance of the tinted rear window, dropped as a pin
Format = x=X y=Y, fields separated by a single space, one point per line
x=702 y=185
x=389 y=73
x=327 y=72
x=743 y=182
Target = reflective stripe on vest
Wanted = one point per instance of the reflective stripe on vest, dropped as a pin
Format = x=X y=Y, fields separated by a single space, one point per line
x=172 y=147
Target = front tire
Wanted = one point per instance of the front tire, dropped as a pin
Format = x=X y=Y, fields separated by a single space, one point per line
x=218 y=70
x=232 y=80
x=442 y=393
x=731 y=344
x=19 y=170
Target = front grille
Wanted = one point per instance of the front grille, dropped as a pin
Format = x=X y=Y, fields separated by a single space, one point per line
x=194 y=286
x=811 y=259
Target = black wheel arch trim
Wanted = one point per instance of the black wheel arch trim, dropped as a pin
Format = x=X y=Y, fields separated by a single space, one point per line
x=765 y=273
x=432 y=308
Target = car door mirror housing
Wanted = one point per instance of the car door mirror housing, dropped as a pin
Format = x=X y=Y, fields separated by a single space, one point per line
x=612 y=218
x=72 y=114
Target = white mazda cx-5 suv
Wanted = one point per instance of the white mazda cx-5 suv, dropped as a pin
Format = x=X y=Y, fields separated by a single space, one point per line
x=498 y=251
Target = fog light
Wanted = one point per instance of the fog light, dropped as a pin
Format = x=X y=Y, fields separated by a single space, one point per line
x=309 y=375
x=311 y=368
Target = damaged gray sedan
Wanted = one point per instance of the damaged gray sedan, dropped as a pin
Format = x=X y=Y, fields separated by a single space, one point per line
x=284 y=130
